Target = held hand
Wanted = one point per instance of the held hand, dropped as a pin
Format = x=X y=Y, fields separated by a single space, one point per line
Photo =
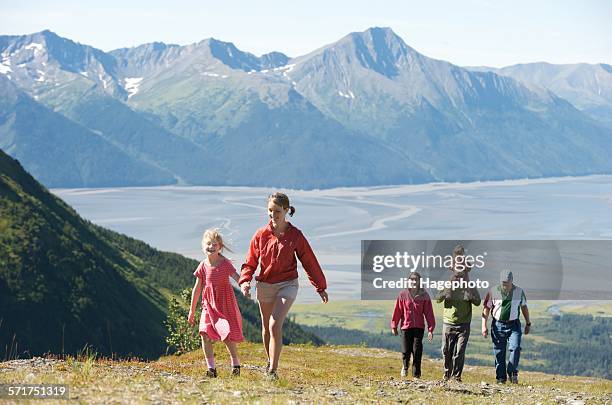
x=527 y=329
x=485 y=332
x=394 y=331
x=246 y=289
x=191 y=318
x=324 y=296
x=430 y=336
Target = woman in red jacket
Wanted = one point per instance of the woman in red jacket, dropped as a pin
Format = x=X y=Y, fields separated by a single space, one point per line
x=412 y=308
x=274 y=248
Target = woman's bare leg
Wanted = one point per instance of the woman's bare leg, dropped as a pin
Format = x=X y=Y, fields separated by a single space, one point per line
x=265 y=310
x=279 y=313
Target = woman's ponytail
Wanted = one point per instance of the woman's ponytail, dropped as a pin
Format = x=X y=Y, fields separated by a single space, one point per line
x=282 y=200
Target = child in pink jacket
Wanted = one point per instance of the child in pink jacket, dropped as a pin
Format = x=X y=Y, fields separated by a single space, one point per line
x=412 y=308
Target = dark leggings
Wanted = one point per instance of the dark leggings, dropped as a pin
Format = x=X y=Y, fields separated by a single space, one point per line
x=412 y=344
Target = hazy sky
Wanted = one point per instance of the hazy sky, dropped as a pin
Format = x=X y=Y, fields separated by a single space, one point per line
x=465 y=32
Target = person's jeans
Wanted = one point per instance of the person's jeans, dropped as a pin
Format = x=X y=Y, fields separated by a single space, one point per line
x=412 y=344
x=506 y=335
x=455 y=339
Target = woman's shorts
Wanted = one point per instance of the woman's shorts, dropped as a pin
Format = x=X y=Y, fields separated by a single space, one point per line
x=269 y=292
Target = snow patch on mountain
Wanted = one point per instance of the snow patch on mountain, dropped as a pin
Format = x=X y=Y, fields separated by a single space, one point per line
x=36 y=46
x=346 y=95
x=212 y=74
x=5 y=65
x=132 y=84
x=286 y=68
x=103 y=80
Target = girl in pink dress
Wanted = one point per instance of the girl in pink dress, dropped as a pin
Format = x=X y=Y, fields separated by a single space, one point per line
x=220 y=319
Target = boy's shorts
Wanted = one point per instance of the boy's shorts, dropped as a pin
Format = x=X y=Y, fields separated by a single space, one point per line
x=269 y=292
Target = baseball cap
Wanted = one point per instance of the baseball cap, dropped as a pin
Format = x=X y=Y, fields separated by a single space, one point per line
x=505 y=275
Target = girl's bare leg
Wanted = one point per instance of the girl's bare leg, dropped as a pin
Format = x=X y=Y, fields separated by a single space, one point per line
x=209 y=354
x=233 y=351
x=279 y=313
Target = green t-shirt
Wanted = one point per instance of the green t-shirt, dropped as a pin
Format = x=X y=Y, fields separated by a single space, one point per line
x=458 y=305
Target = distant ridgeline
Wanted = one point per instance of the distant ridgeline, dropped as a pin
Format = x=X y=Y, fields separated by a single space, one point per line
x=66 y=283
x=365 y=110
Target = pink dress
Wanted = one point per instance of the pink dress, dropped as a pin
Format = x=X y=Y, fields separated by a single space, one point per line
x=220 y=319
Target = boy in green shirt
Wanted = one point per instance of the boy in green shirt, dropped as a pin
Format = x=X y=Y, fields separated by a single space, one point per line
x=456 y=328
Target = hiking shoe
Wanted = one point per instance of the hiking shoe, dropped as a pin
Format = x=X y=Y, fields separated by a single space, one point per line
x=416 y=376
x=271 y=375
x=211 y=372
x=236 y=371
x=501 y=381
x=403 y=373
x=457 y=379
x=268 y=366
x=514 y=379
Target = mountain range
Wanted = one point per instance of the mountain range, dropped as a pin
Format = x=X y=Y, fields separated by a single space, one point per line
x=587 y=86
x=365 y=110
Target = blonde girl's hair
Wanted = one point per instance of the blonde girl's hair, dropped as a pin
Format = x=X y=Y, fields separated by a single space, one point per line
x=214 y=234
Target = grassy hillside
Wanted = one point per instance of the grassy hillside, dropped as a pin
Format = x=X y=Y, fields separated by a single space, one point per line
x=308 y=374
x=66 y=283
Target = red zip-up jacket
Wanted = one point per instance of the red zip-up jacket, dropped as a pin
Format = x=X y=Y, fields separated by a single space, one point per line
x=276 y=257
x=410 y=311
